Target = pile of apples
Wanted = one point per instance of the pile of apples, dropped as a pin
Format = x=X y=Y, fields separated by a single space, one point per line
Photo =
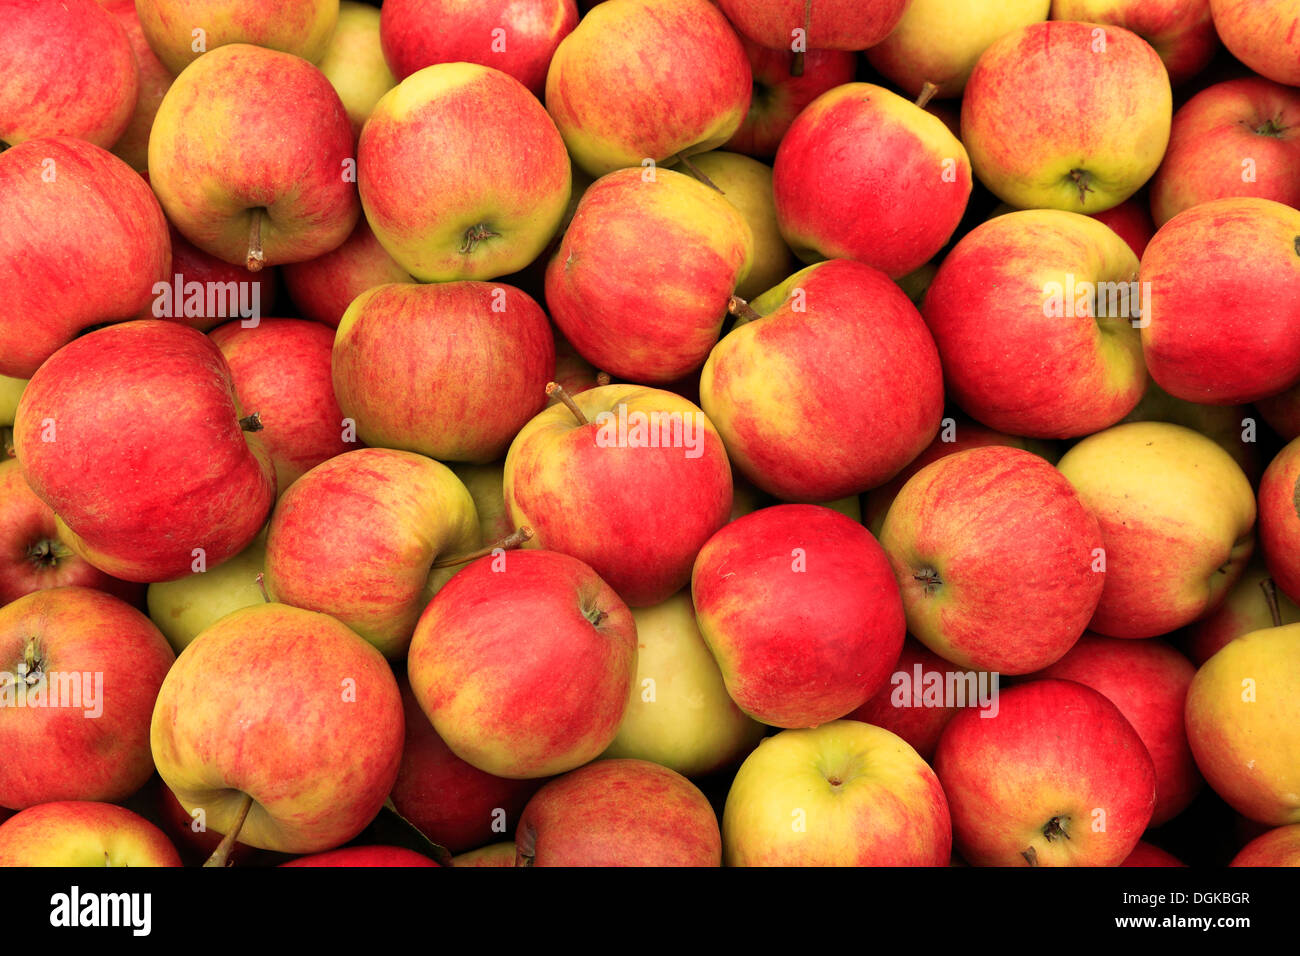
x=471 y=432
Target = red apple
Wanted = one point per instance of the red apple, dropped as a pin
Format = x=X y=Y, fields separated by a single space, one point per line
x=1278 y=847
x=902 y=707
x=1131 y=221
x=827 y=24
x=364 y=856
x=1279 y=520
x=82 y=833
x=204 y=291
x=300 y=27
x=1261 y=34
x=324 y=287
x=155 y=79
x=1145 y=854
x=1181 y=31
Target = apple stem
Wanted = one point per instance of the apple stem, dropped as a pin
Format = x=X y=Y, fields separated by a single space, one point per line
x=928 y=90
x=602 y=379
x=1081 y=179
x=512 y=540
x=474 y=235
x=252 y=423
x=221 y=855
x=1270 y=596
x=261 y=586
x=256 y=259
x=526 y=845
x=556 y=390
x=698 y=173
x=1030 y=856
x=739 y=307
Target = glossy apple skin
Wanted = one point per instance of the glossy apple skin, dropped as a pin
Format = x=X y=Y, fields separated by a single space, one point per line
x=1041 y=375
x=354 y=62
x=801 y=611
x=1180 y=31
x=217 y=155
x=314 y=738
x=364 y=856
x=356 y=538
x=1215 y=132
x=1279 y=847
x=32 y=556
x=59 y=277
x=192 y=264
x=1021 y=108
x=850 y=340
x=1055 y=750
x=1201 y=265
x=451 y=802
x=83 y=833
x=864 y=174
x=429 y=185
x=281 y=371
x=619 y=813
x=324 y=287
x=1262 y=35
x=835 y=24
x=918 y=726
x=172 y=470
x=642 y=277
x=154 y=80
x=299 y=27
x=102 y=751
x=996 y=559
x=1147 y=681
x=1245 y=609
x=1176 y=515
x=863 y=795
x=689 y=93
x=451 y=370
x=69 y=71
x=636 y=514
x=416 y=34
x=498 y=854
x=1145 y=854
x=1246 y=695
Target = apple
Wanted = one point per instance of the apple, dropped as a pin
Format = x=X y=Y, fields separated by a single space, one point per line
x=1245 y=609
x=1239 y=138
x=997 y=559
x=203 y=291
x=826 y=25
x=359 y=535
x=939 y=41
x=518 y=37
x=451 y=370
x=497 y=854
x=1181 y=31
x=184 y=608
x=1227 y=425
x=486 y=485
x=864 y=174
x=1243 y=724
x=1279 y=847
x=324 y=287
x=283 y=725
x=1131 y=221
x=181 y=31
x=176 y=483
x=688 y=93
x=1281 y=412
x=1064 y=359
x=619 y=813
x=190 y=834
x=1262 y=35
x=842 y=794
x=1146 y=854
x=1066 y=115
x=69 y=71
x=642 y=278
x=441 y=204
x=354 y=62
x=11 y=390
x=1207 y=340
x=83 y=833
x=82 y=243
x=1279 y=519
x=837 y=335
x=1057 y=778
x=629 y=480
x=132 y=147
x=1176 y=516
x=573 y=373
x=364 y=856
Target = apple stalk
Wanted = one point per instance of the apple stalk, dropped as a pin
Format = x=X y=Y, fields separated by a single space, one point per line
x=221 y=855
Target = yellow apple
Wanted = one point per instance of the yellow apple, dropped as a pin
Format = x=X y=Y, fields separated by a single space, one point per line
x=11 y=389
x=354 y=62
x=183 y=608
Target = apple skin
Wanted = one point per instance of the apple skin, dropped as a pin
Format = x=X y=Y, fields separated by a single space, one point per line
x=1279 y=523
x=1180 y=31
x=102 y=751
x=1245 y=609
x=190 y=835
x=866 y=799
x=83 y=833
x=1041 y=375
x=1210 y=339
x=299 y=27
x=918 y=726
x=1176 y=516
x=217 y=157
x=354 y=62
x=678 y=712
x=689 y=93
x=364 y=856
x=801 y=612
x=324 y=287
x=1215 y=131
x=996 y=559
x=486 y=485
x=1131 y=221
x=451 y=802
x=11 y=391
x=192 y=264
x=1224 y=424
x=1147 y=681
x=314 y=737
x=451 y=370
x=166 y=452
x=637 y=514
x=59 y=277
x=641 y=280
x=619 y=813
x=1243 y=724
x=498 y=854
x=69 y=71
x=441 y=204
x=1279 y=847
x=833 y=24
x=779 y=97
x=185 y=608
x=132 y=147
x=1145 y=854
x=1262 y=35
x=1020 y=110
x=356 y=538
x=939 y=41
x=1281 y=412
x=836 y=335
x=415 y=34
x=1056 y=751
x=864 y=174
